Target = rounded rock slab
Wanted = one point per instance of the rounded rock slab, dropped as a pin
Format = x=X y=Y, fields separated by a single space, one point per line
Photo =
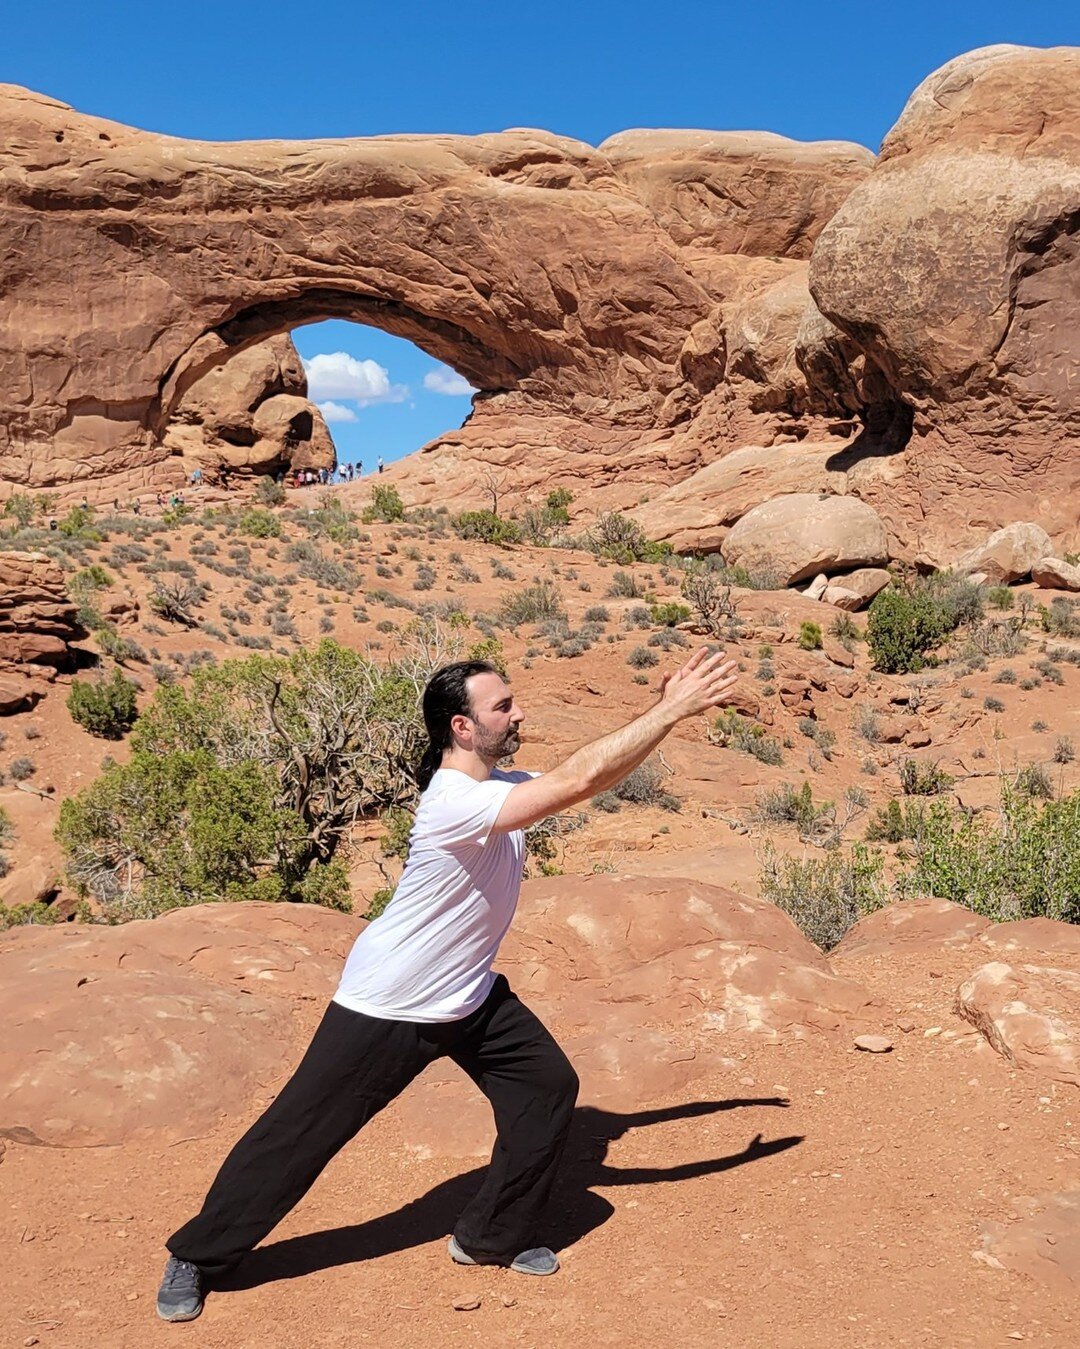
x=795 y=537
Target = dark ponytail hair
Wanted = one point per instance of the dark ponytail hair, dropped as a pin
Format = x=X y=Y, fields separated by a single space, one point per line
x=446 y=697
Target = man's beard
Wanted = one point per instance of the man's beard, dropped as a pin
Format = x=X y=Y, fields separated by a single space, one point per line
x=498 y=747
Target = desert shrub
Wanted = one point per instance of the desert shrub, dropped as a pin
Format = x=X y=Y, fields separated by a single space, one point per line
x=490 y=649
x=821 y=735
x=533 y=604
x=596 y=613
x=895 y=822
x=624 y=585
x=1060 y=618
x=824 y=895
x=1005 y=676
x=993 y=705
x=845 y=629
x=734 y=731
x=386 y=505
x=866 y=724
x=245 y=784
x=637 y=617
x=1034 y=780
x=667 y=638
x=269 y=493
x=1021 y=862
x=908 y=622
x=641 y=658
x=260 y=524
x=425 y=577
x=486 y=526
x=78 y=525
x=645 y=787
x=623 y=540
x=23 y=508
x=923 y=779
x=174 y=597
x=710 y=600
x=1000 y=597
x=104 y=707
x=670 y=614
x=786 y=805
x=810 y=636
x=22 y=768
x=1064 y=750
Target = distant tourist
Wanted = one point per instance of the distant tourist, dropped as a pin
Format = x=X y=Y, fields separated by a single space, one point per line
x=380 y=463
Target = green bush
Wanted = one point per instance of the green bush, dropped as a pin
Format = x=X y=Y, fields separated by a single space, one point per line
x=486 y=527
x=670 y=614
x=895 y=822
x=1021 y=862
x=269 y=493
x=824 y=895
x=259 y=524
x=644 y=786
x=532 y=604
x=623 y=540
x=785 y=805
x=907 y=623
x=105 y=707
x=246 y=784
x=386 y=505
x=1000 y=597
x=810 y=636
x=734 y=731
x=923 y=780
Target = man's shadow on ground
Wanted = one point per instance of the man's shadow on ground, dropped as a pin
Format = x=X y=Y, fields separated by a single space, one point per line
x=574 y=1211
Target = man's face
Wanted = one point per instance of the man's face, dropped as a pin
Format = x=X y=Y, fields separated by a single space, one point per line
x=496 y=717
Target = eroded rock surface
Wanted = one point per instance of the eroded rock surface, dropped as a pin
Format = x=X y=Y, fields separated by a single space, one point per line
x=38 y=619
x=251 y=413
x=629 y=314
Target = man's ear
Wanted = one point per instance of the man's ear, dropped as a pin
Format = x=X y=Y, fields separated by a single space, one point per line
x=461 y=726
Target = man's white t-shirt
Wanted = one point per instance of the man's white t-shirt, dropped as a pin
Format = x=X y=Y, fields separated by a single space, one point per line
x=428 y=955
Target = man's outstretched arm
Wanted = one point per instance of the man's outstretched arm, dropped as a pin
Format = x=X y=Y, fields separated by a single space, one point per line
x=704 y=682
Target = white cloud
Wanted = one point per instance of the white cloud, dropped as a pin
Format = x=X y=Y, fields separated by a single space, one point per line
x=444 y=380
x=336 y=374
x=336 y=412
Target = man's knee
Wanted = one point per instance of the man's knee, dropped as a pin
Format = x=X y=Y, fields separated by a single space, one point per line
x=562 y=1080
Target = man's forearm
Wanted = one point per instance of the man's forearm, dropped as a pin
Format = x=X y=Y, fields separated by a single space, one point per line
x=601 y=763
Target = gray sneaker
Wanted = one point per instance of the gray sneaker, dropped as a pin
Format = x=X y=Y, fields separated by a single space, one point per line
x=540 y=1260
x=180 y=1297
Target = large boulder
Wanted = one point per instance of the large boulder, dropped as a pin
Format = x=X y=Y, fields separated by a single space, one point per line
x=157 y=1028
x=795 y=537
x=1008 y=554
x=954 y=268
x=1054 y=573
x=252 y=413
x=38 y=619
x=1029 y=1013
x=856 y=589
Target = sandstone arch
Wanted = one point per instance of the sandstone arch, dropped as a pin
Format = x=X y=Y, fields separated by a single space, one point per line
x=629 y=314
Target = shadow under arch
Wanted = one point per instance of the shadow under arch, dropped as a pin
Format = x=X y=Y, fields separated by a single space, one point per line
x=574 y=1212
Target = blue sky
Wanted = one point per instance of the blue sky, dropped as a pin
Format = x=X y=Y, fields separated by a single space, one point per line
x=233 y=69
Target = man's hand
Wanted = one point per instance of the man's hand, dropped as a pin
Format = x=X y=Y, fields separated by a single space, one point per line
x=705 y=681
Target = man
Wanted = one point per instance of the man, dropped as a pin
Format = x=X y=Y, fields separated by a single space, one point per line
x=380 y=463
x=419 y=985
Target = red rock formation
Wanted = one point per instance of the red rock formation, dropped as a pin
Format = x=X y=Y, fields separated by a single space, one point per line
x=37 y=618
x=629 y=314
x=253 y=414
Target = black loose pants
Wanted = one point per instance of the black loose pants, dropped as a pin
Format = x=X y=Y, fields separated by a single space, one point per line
x=356 y=1065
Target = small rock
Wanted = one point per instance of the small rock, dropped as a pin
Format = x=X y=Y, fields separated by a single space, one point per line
x=507 y=1301
x=31 y=1339
x=874 y=1044
x=467 y=1303
x=931 y=1031
x=906 y=1024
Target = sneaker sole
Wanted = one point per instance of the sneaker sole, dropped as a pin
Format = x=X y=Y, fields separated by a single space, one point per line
x=179 y=1316
x=459 y=1257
